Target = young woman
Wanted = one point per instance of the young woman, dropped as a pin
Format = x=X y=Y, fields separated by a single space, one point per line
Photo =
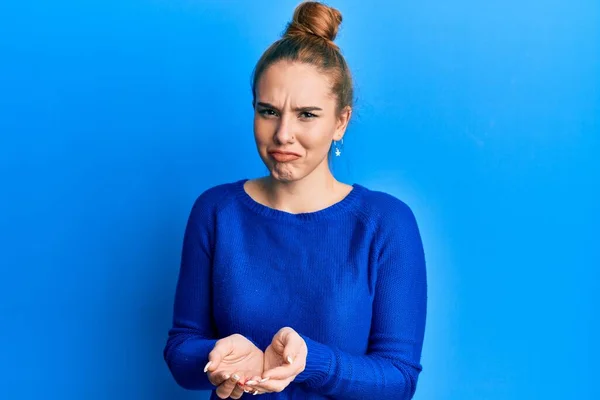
x=296 y=285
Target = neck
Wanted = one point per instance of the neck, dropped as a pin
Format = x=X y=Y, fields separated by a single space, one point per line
x=314 y=192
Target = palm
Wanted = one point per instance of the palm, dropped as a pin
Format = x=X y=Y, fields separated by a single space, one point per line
x=246 y=358
x=251 y=363
x=273 y=358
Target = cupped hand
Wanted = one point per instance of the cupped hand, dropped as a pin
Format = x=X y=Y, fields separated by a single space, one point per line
x=284 y=359
x=232 y=361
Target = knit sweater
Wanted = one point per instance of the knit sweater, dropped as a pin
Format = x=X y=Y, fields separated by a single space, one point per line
x=350 y=279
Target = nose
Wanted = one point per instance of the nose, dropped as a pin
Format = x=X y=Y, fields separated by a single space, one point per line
x=284 y=133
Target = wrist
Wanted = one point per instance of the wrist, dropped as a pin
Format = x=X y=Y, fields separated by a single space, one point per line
x=318 y=362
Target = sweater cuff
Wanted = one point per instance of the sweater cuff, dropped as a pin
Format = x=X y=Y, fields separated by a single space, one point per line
x=319 y=362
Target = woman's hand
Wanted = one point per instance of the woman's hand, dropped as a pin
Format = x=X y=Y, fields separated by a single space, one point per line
x=232 y=360
x=284 y=359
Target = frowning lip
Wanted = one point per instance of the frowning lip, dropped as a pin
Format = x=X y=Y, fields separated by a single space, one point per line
x=285 y=153
x=281 y=156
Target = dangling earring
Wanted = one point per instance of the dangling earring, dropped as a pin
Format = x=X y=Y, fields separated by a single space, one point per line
x=338 y=151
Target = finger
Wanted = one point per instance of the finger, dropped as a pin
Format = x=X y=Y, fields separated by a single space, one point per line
x=222 y=348
x=253 y=392
x=293 y=345
x=273 y=386
x=226 y=388
x=237 y=392
x=285 y=331
x=217 y=378
x=288 y=356
x=253 y=381
x=249 y=390
x=281 y=373
x=246 y=384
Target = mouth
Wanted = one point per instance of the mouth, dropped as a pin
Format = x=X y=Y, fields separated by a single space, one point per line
x=284 y=156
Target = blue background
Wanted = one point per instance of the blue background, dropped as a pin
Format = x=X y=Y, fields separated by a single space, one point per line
x=483 y=116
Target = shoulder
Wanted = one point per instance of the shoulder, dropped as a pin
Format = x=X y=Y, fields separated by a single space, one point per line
x=393 y=223
x=381 y=207
x=215 y=198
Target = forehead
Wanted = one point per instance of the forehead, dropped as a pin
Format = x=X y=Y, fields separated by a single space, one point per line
x=301 y=83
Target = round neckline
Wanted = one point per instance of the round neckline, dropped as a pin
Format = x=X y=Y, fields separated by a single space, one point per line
x=345 y=204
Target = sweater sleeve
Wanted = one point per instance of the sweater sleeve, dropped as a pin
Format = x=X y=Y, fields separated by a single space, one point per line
x=192 y=335
x=391 y=366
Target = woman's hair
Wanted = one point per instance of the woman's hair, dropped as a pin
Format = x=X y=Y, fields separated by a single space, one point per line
x=308 y=39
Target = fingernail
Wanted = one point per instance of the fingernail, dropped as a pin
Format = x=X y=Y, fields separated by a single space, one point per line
x=264 y=380
x=255 y=393
x=207 y=365
x=246 y=391
x=289 y=359
x=227 y=376
x=251 y=383
x=236 y=377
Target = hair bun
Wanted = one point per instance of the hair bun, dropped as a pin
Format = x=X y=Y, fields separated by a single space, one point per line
x=315 y=18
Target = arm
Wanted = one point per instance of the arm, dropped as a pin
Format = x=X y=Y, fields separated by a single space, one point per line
x=192 y=336
x=392 y=364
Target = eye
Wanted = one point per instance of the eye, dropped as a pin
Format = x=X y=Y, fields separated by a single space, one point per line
x=267 y=112
x=307 y=115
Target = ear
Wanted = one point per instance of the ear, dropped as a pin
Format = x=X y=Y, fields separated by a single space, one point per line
x=342 y=123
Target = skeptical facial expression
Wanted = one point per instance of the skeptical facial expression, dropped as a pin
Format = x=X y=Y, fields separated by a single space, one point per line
x=296 y=119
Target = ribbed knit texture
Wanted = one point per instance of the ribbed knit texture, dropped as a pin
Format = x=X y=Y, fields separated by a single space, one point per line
x=350 y=279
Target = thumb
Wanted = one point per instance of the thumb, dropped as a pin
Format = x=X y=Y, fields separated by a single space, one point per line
x=291 y=344
x=279 y=341
x=222 y=349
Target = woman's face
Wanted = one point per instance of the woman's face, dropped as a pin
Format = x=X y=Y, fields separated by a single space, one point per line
x=295 y=120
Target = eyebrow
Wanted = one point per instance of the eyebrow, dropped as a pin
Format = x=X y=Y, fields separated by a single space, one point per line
x=308 y=108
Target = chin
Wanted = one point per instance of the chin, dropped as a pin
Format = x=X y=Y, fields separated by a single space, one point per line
x=283 y=176
x=284 y=172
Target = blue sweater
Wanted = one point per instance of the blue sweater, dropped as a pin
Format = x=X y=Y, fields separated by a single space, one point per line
x=350 y=279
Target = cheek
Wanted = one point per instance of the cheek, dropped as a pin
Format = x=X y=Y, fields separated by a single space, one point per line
x=318 y=138
x=261 y=131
